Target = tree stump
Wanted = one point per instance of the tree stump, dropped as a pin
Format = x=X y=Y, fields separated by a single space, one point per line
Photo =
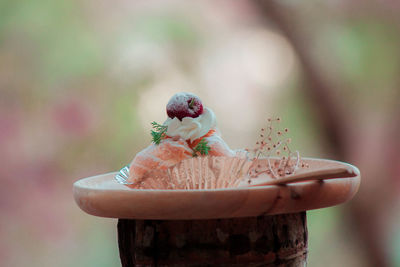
x=277 y=240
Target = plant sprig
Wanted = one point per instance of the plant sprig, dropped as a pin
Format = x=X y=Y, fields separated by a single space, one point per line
x=272 y=142
x=159 y=132
x=202 y=148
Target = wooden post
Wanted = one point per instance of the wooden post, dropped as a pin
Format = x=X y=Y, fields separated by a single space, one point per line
x=278 y=240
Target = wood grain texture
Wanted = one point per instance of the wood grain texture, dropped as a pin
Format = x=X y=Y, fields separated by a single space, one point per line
x=279 y=240
x=103 y=196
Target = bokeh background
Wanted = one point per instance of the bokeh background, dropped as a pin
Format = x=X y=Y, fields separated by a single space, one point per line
x=81 y=80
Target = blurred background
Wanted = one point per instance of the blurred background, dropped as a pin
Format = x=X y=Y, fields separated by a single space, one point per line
x=81 y=80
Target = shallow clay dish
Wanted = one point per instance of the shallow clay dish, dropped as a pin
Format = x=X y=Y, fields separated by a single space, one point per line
x=103 y=196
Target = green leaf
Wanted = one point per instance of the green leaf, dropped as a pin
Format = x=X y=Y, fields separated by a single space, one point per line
x=202 y=147
x=159 y=132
